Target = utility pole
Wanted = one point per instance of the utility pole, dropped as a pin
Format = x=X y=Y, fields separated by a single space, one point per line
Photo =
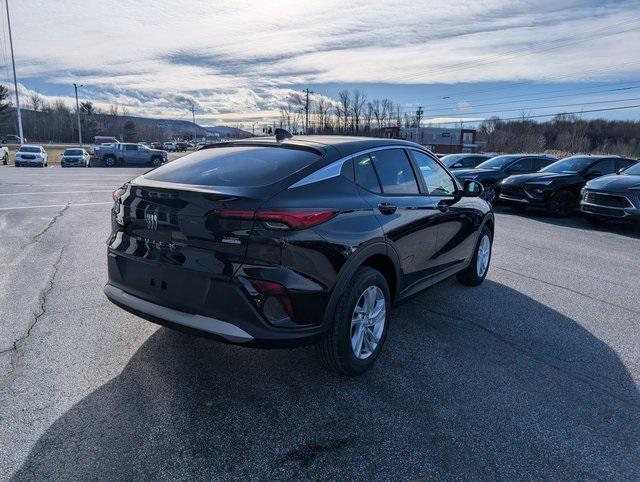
x=15 y=79
x=75 y=86
x=195 y=127
x=419 y=113
x=306 y=111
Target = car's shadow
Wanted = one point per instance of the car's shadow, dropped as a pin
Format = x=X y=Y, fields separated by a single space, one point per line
x=631 y=230
x=475 y=383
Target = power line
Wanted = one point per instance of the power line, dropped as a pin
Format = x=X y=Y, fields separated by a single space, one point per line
x=575 y=93
x=540 y=116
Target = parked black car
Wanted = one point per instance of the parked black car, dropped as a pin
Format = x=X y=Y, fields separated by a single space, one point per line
x=490 y=173
x=464 y=161
x=181 y=146
x=557 y=187
x=267 y=243
x=613 y=196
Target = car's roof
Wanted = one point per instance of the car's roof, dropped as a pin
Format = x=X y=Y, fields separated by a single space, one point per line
x=32 y=145
x=527 y=154
x=341 y=145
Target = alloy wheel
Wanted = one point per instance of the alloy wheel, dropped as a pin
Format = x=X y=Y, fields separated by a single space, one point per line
x=367 y=322
x=484 y=253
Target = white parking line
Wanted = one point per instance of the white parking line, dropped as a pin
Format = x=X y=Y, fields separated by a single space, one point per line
x=51 y=192
x=55 y=205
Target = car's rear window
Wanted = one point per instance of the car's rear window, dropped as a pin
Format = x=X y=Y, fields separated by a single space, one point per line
x=73 y=152
x=29 y=149
x=237 y=166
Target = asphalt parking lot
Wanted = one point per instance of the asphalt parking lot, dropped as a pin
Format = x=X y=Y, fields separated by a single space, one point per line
x=532 y=375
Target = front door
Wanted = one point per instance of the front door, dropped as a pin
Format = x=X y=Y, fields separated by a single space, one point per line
x=454 y=218
x=405 y=213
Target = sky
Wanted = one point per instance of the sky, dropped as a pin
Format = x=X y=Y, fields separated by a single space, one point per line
x=237 y=61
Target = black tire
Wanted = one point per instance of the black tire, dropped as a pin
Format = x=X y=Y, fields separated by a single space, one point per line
x=490 y=194
x=109 y=161
x=335 y=347
x=562 y=204
x=470 y=276
x=5 y=159
x=595 y=220
x=156 y=161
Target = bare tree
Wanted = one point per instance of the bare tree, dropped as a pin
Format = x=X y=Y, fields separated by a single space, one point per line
x=344 y=107
x=357 y=110
x=376 y=109
x=322 y=109
x=36 y=101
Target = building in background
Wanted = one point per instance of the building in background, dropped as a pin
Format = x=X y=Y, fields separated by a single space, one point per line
x=439 y=139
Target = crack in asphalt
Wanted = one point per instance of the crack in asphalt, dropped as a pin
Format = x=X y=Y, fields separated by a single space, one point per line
x=593 y=298
x=306 y=454
x=17 y=347
x=580 y=377
x=49 y=225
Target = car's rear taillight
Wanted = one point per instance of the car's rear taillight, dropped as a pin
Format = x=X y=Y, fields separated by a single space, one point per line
x=281 y=219
x=117 y=198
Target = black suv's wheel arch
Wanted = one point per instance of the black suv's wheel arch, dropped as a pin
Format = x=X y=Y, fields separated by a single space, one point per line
x=379 y=256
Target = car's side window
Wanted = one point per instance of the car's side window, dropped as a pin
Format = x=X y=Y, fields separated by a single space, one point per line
x=365 y=174
x=541 y=162
x=602 y=167
x=624 y=163
x=470 y=162
x=131 y=147
x=523 y=165
x=437 y=180
x=395 y=172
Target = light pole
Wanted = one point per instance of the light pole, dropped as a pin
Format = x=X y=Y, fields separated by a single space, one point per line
x=419 y=113
x=76 y=86
x=195 y=126
x=15 y=80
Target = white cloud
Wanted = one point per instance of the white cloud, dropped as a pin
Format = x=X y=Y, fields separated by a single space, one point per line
x=238 y=60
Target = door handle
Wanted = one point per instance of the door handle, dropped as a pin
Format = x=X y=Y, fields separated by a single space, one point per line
x=386 y=208
x=443 y=206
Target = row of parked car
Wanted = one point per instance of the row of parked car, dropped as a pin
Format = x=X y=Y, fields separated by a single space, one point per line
x=602 y=187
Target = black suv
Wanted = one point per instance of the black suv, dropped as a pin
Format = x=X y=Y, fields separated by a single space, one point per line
x=464 y=161
x=557 y=187
x=282 y=243
x=616 y=196
x=490 y=173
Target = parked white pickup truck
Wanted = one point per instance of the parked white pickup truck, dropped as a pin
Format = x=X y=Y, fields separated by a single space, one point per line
x=97 y=140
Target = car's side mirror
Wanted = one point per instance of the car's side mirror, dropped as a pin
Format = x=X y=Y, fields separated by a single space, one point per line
x=621 y=170
x=472 y=189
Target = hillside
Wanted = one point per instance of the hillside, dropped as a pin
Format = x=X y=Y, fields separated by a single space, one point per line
x=60 y=125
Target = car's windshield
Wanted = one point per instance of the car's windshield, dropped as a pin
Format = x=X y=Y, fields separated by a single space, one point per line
x=569 y=165
x=497 y=162
x=451 y=159
x=633 y=170
x=73 y=152
x=29 y=149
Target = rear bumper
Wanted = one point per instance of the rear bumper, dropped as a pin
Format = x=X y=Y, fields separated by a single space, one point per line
x=155 y=311
x=193 y=302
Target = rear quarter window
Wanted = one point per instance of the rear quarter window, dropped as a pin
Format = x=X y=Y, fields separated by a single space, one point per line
x=237 y=166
